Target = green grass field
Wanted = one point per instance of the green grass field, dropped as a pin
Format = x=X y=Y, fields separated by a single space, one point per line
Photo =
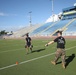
x=36 y=63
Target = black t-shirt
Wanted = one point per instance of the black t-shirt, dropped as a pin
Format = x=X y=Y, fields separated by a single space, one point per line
x=60 y=42
x=28 y=40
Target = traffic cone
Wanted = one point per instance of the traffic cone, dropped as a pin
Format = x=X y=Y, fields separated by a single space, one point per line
x=16 y=62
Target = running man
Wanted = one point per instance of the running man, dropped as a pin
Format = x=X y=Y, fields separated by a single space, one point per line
x=28 y=43
x=60 y=48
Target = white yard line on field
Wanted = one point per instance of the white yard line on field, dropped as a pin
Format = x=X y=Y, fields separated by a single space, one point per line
x=12 y=45
x=11 y=50
x=16 y=49
x=33 y=59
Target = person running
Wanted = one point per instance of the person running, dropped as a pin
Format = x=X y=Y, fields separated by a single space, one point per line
x=28 y=43
x=60 y=48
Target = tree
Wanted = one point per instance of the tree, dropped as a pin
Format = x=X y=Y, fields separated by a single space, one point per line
x=3 y=32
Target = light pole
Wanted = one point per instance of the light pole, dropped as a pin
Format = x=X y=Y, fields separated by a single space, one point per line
x=30 y=20
x=52 y=9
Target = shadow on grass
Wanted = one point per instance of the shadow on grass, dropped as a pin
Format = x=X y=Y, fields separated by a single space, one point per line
x=68 y=60
x=39 y=50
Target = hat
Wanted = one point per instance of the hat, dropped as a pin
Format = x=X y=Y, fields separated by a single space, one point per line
x=27 y=34
x=59 y=32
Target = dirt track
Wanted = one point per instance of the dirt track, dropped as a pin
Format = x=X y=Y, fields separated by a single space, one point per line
x=41 y=37
x=52 y=37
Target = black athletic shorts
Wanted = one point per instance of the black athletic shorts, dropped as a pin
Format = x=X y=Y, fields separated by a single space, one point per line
x=27 y=45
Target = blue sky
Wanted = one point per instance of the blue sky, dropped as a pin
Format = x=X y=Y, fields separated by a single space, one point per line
x=14 y=14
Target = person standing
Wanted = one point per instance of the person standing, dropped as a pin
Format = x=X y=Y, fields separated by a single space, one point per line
x=60 y=48
x=28 y=43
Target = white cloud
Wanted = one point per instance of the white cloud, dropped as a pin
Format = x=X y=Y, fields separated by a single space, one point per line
x=5 y=14
x=12 y=14
x=53 y=18
x=74 y=4
x=60 y=13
